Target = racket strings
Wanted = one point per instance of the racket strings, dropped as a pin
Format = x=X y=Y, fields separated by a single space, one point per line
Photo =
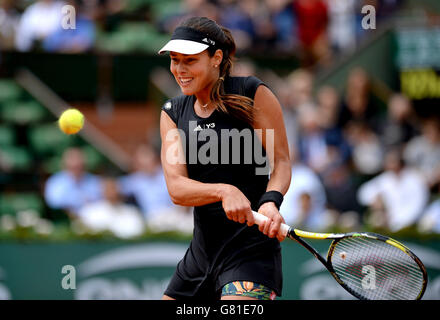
x=384 y=274
x=381 y=275
x=376 y=270
x=355 y=275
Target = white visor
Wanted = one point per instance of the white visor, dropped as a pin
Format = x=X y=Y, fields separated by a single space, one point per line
x=184 y=47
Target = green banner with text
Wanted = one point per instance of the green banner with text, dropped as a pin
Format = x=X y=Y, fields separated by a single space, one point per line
x=142 y=270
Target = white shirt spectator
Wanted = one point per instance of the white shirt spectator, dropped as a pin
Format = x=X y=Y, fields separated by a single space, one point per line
x=404 y=195
x=430 y=221
x=304 y=182
x=342 y=25
x=37 y=22
x=123 y=220
x=149 y=190
x=64 y=191
x=425 y=156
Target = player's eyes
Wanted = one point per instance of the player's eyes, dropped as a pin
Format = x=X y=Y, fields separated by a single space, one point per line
x=186 y=61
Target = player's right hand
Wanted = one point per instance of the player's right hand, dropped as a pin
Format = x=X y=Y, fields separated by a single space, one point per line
x=237 y=207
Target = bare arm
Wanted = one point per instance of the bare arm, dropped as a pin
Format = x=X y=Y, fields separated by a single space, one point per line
x=268 y=115
x=189 y=192
x=183 y=190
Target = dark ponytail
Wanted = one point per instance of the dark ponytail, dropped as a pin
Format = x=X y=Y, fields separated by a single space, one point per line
x=240 y=107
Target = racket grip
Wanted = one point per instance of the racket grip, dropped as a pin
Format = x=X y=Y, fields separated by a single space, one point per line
x=259 y=218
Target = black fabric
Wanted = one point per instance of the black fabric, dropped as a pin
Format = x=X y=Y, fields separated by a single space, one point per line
x=222 y=250
x=272 y=196
x=187 y=33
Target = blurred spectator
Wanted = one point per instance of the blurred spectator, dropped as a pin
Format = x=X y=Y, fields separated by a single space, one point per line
x=423 y=151
x=9 y=20
x=357 y=104
x=430 y=221
x=73 y=187
x=239 y=18
x=273 y=22
x=296 y=96
x=112 y=214
x=146 y=184
x=312 y=142
x=398 y=127
x=39 y=20
x=317 y=145
x=76 y=40
x=312 y=17
x=107 y=14
x=187 y=9
x=340 y=185
x=166 y=221
x=342 y=25
x=328 y=102
x=304 y=202
x=283 y=21
x=300 y=88
x=367 y=151
x=243 y=68
x=396 y=197
x=265 y=30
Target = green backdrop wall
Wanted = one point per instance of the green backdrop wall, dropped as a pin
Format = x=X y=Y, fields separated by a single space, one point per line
x=141 y=270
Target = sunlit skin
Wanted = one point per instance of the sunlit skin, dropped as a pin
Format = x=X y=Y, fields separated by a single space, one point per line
x=196 y=74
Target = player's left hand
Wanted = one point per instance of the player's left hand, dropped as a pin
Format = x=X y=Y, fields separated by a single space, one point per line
x=271 y=227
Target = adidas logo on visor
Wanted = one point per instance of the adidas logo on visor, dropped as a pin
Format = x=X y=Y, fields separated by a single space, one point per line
x=211 y=42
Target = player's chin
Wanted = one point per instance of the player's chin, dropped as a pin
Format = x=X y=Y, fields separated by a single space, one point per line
x=188 y=90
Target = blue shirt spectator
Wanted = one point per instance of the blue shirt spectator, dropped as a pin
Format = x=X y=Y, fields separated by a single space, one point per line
x=304 y=202
x=79 y=39
x=430 y=221
x=149 y=191
x=72 y=188
x=146 y=184
x=38 y=21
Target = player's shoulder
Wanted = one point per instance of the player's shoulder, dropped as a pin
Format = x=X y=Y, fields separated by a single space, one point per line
x=173 y=102
x=246 y=86
x=241 y=80
x=174 y=106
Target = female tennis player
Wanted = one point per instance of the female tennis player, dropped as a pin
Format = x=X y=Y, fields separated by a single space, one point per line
x=222 y=122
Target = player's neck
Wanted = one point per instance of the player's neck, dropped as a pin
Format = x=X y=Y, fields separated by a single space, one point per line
x=204 y=98
x=204 y=95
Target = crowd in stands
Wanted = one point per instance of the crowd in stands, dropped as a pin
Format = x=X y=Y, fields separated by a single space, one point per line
x=124 y=206
x=314 y=30
x=355 y=161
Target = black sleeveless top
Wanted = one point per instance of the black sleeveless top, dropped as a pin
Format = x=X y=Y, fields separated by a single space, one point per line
x=223 y=149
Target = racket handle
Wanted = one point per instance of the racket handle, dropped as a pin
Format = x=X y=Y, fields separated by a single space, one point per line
x=259 y=218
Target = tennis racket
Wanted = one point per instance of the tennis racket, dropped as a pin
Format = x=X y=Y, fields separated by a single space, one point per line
x=368 y=265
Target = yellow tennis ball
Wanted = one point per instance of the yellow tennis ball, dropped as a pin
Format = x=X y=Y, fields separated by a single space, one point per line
x=71 y=121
